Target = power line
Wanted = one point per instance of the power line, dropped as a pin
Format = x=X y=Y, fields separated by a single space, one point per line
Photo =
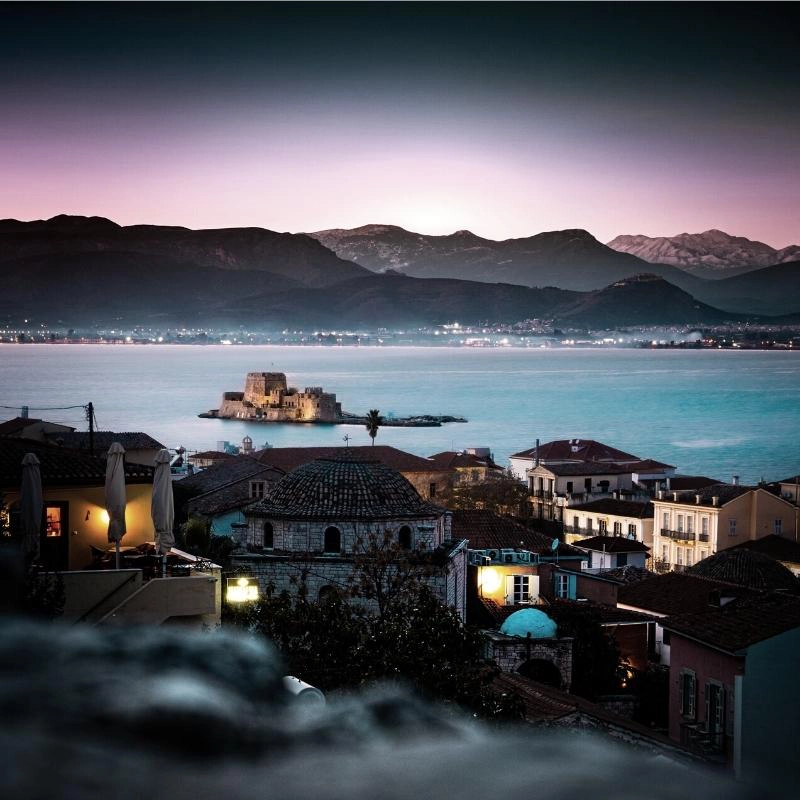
x=42 y=408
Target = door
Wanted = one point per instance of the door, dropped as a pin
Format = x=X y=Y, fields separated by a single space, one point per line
x=54 y=554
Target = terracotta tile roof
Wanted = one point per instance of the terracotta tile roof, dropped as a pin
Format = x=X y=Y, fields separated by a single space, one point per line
x=612 y=544
x=485 y=530
x=60 y=467
x=233 y=495
x=676 y=593
x=576 y=450
x=11 y=426
x=221 y=474
x=628 y=574
x=778 y=547
x=648 y=465
x=344 y=487
x=736 y=626
x=544 y=704
x=585 y=468
x=747 y=567
x=130 y=440
x=211 y=455
x=684 y=482
x=619 y=508
x=289 y=458
x=451 y=459
x=724 y=491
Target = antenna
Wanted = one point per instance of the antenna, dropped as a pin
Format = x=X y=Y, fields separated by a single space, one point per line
x=346 y=439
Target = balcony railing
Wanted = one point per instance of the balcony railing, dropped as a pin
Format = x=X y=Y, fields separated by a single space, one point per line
x=684 y=536
x=697 y=739
x=703 y=537
x=540 y=494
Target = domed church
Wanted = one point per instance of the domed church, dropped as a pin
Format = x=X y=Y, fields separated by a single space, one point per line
x=317 y=518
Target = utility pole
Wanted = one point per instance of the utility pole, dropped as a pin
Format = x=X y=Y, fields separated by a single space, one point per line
x=90 y=415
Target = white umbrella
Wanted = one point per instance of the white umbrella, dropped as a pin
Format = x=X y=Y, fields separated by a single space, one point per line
x=31 y=504
x=115 y=494
x=162 y=506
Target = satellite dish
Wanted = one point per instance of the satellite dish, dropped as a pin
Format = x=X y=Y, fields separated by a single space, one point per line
x=555 y=544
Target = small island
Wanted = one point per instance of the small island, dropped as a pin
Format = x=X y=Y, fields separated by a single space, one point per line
x=267 y=397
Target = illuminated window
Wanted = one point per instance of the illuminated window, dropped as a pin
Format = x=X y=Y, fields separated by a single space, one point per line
x=54 y=527
x=521 y=588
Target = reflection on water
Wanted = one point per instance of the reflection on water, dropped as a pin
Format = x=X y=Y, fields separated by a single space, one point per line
x=159 y=713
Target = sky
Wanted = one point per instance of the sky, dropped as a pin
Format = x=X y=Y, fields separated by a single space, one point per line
x=504 y=119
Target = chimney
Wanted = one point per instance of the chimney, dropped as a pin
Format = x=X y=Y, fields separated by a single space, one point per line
x=715 y=500
x=674 y=497
x=536 y=459
x=23 y=412
x=660 y=494
x=668 y=484
x=735 y=480
x=697 y=499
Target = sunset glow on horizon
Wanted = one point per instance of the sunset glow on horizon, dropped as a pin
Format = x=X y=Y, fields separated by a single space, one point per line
x=506 y=120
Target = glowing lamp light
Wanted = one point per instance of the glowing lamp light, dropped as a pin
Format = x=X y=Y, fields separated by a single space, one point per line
x=241 y=590
x=490 y=579
x=104 y=518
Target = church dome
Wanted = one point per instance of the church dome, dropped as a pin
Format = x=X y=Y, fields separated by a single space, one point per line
x=529 y=620
x=344 y=487
x=746 y=568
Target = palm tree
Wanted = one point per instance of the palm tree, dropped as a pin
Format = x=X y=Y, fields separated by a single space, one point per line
x=374 y=420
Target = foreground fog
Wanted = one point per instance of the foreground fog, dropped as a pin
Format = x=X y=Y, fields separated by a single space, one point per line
x=158 y=713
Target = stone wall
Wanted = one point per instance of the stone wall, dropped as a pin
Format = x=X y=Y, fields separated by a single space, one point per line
x=511 y=652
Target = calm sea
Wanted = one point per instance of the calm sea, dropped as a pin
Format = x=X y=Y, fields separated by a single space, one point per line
x=716 y=413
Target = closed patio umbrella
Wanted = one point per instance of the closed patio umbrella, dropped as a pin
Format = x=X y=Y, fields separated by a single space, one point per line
x=31 y=505
x=162 y=506
x=115 y=494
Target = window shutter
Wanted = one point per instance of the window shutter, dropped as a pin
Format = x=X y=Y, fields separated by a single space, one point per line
x=573 y=581
x=509 y=590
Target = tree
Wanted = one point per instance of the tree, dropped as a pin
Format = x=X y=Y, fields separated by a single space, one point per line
x=374 y=421
x=502 y=494
x=386 y=625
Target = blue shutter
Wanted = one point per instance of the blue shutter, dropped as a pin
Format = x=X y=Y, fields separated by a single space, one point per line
x=573 y=582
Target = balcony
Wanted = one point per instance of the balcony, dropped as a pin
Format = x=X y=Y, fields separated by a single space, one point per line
x=541 y=494
x=682 y=536
x=703 y=537
x=710 y=745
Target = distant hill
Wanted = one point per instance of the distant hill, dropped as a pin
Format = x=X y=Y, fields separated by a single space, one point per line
x=772 y=290
x=640 y=300
x=569 y=259
x=711 y=254
x=295 y=256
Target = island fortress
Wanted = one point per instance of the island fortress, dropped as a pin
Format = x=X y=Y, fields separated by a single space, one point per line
x=267 y=397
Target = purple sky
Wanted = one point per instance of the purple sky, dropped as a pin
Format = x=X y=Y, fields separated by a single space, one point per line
x=507 y=123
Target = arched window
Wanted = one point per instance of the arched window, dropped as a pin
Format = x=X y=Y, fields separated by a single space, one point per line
x=269 y=536
x=332 y=542
x=404 y=537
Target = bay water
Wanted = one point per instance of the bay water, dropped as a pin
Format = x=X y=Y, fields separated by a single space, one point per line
x=716 y=413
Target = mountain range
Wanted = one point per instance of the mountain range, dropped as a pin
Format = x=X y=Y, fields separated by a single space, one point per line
x=88 y=270
x=711 y=254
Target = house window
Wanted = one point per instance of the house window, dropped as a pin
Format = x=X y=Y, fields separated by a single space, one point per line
x=53 y=527
x=680 y=523
x=631 y=531
x=778 y=528
x=404 y=537
x=704 y=526
x=432 y=490
x=576 y=523
x=587 y=485
x=521 y=588
x=688 y=557
x=689 y=524
x=562 y=586
x=665 y=522
x=603 y=525
x=679 y=556
x=617 y=529
x=269 y=536
x=588 y=524
x=688 y=686
x=732 y=527
x=332 y=540
x=622 y=559
x=257 y=490
x=665 y=552
x=569 y=487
